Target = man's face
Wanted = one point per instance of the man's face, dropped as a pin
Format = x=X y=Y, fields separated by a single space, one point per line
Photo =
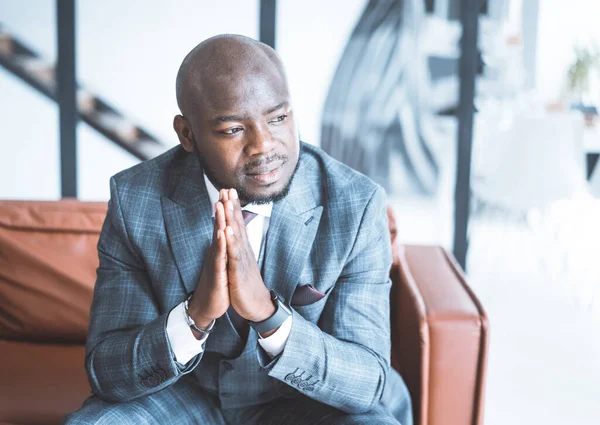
x=245 y=135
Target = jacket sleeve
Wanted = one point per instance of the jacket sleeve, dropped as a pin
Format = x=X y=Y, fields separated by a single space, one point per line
x=344 y=361
x=128 y=354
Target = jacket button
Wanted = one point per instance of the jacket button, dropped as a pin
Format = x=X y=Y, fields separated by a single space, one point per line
x=149 y=382
x=291 y=375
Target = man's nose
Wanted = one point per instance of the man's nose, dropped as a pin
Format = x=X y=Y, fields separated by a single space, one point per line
x=261 y=140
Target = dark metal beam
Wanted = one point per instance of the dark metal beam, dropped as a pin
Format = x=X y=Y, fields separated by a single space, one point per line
x=67 y=96
x=268 y=17
x=468 y=68
x=429 y=6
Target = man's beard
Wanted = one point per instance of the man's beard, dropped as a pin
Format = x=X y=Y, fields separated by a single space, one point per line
x=243 y=194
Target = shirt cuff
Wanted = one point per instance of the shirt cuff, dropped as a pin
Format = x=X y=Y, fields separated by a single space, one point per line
x=275 y=343
x=184 y=344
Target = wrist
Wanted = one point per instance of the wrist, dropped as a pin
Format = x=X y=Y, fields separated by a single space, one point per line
x=199 y=324
x=269 y=333
x=270 y=322
x=201 y=329
x=200 y=319
x=202 y=322
x=266 y=310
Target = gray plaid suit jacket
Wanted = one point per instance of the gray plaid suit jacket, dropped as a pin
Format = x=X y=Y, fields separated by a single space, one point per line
x=330 y=231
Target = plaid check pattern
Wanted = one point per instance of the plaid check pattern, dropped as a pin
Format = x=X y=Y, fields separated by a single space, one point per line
x=330 y=231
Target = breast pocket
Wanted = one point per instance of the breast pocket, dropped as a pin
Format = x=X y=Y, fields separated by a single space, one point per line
x=311 y=312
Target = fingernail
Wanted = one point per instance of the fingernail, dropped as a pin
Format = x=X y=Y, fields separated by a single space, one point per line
x=234 y=193
x=230 y=206
x=229 y=231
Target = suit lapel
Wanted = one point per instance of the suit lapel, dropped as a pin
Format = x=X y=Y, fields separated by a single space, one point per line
x=188 y=220
x=292 y=230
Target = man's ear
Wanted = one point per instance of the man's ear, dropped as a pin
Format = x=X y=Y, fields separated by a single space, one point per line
x=184 y=132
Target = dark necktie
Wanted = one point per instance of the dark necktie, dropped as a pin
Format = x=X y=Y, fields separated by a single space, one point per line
x=238 y=321
x=248 y=216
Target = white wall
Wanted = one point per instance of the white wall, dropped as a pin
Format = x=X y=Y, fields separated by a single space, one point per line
x=562 y=25
x=29 y=150
x=28 y=122
x=129 y=52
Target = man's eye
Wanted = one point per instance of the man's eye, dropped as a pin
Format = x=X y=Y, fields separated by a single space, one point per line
x=278 y=119
x=232 y=131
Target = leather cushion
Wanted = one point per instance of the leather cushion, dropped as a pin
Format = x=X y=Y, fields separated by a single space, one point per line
x=41 y=383
x=48 y=261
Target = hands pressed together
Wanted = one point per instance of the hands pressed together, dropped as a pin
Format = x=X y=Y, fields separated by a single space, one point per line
x=230 y=275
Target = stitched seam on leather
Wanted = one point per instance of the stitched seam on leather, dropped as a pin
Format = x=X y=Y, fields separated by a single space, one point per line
x=424 y=326
x=483 y=324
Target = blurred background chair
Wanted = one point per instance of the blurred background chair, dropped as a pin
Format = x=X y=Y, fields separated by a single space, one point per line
x=528 y=164
x=527 y=161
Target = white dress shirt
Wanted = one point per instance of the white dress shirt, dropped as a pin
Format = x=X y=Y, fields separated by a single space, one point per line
x=184 y=344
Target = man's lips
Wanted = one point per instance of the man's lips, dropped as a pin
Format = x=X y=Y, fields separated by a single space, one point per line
x=266 y=169
x=267 y=174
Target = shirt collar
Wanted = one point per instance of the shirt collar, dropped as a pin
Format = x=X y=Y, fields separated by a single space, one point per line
x=213 y=194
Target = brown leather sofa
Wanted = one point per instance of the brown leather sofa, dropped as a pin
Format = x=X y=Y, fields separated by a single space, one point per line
x=47 y=272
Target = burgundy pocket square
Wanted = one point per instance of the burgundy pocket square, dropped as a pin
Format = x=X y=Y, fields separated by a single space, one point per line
x=306 y=295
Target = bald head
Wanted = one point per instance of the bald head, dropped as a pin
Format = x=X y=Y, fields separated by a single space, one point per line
x=237 y=117
x=223 y=60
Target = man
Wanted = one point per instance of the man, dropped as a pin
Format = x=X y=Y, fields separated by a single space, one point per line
x=243 y=275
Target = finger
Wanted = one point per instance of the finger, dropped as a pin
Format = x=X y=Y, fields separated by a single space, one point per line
x=220 y=216
x=215 y=223
x=226 y=206
x=239 y=231
x=221 y=253
x=237 y=208
x=224 y=195
x=229 y=215
x=234 y=249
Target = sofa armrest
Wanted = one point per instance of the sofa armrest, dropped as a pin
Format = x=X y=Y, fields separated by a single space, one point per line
x=439 y=337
